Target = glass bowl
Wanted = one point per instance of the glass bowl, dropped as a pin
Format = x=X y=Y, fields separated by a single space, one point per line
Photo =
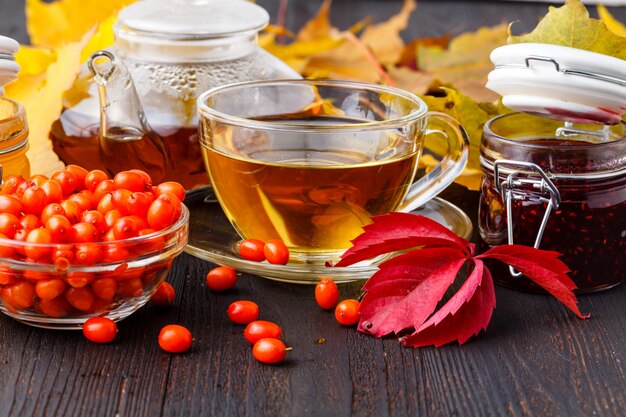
x=60 y=294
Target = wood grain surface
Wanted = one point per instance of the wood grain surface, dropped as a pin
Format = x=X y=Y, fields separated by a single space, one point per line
x=536 y=359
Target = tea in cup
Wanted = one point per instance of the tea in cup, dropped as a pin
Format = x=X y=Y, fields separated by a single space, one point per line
x=310 y=162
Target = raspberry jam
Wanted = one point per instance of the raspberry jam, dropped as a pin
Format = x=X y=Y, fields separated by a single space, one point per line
x=587 y=166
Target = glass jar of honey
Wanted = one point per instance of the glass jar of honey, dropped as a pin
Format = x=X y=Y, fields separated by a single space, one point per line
x=13 y=139
x=558 y=186
x=13 y=124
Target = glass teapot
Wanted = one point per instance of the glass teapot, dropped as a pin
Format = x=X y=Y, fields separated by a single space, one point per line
x=133 y=105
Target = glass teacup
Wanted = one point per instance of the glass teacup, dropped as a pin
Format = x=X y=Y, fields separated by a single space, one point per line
x=310 y=162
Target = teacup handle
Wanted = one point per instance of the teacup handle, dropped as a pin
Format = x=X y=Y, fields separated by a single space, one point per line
x=450 y=167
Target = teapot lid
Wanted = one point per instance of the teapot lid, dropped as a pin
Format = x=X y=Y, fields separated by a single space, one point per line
x=191 y=19
x=560 y=82
x=8 y=66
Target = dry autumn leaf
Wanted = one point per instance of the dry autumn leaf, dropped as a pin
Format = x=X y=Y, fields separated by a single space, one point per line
x=570 y=25
x=612 y=23
x=72 y=19
x=41 y=95
x=384 y=40
x=465 y=63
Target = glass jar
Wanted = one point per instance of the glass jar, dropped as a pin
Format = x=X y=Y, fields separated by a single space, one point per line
x=559 y=186
x=13 y=139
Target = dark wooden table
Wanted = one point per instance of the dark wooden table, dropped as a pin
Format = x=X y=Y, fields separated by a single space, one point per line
x=536 y=358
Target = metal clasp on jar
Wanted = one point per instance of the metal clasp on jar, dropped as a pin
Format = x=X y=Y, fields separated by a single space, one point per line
x=510 y=190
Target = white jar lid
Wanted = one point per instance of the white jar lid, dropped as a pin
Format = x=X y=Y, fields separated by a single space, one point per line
x=8 y=66
x=560 y=82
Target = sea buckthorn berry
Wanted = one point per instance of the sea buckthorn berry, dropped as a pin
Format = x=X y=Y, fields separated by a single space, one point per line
x=10 y=204
x=252 y=250
x=125 y=228
x=67 y=181
x=276 y=252
x=243 y=312
x=93 y=178
x=131 y=181
x=347 y=312
x=53 y=190
x=37 y=236
x=85 y=233
x=120 y=198
x=88 y=254
x=175 y=339
x=100 y=330
x=38 y=179
x=20 y=295
x=171 y=187
x=139 y=203
x=95 y=218
x=104 y=288
x=84 y=202
x=162 y=213
x=111 y=217
x=326 y=294
x=164 y=295
x=50 y=210
x=145 y=176
x=80 y=298
x=72 y=210
x=9 y=224
x=80 y=173
x=269 y=350
x=30 y=221
x=221 y=279
x=261 y=329
x=34 y=200
x=104 y=188
x=11 y=184
x=57 y=307
x=50 y=288
x=8 y=251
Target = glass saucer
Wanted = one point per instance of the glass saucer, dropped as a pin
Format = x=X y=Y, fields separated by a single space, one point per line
x=212 y=237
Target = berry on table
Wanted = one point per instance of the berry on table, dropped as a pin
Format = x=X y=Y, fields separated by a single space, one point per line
x=100 y=330
x=269 y=350
x=221 y=279
x=243 y=312
x=347 y=312
x=175 y=339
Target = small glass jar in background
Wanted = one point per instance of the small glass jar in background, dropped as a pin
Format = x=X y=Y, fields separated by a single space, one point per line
x=13 y=139
x=565 y=180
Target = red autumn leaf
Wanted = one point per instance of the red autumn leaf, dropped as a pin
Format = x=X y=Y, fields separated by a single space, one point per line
x=470 y=316
x=399 y=303
x=403 y=295
x=416 y=265
x=397 y=231
x=542 y=267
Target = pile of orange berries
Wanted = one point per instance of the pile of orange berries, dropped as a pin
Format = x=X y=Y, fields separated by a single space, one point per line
x=82 y=218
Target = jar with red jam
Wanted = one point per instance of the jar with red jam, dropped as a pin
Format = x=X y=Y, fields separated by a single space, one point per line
x=558 y=186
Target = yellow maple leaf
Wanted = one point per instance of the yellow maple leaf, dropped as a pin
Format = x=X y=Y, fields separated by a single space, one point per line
x=384 y=40
x=319 y=26
x=570 y=25
x=465 y=62
x=472 y=117
x=51 y=25
x=612 y=23
x=41 y=95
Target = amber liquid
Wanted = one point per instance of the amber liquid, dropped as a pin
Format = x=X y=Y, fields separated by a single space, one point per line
x=315 y=200
x=169 y=153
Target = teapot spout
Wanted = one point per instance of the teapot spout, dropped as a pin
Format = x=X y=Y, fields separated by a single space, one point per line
x=125 y=137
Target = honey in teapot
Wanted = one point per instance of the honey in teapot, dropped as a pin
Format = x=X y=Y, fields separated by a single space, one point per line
x=133 y=106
